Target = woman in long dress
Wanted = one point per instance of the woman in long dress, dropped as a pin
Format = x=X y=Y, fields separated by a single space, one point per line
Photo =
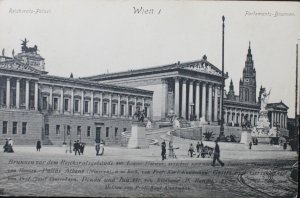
x=101 y=147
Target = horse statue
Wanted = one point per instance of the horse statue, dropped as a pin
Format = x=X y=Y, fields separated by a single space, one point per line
x=28 y=49
x=139 y=115
x=246 y=124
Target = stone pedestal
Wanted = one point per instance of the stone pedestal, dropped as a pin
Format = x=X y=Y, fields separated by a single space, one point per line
x=245 y=137
x=138 y=137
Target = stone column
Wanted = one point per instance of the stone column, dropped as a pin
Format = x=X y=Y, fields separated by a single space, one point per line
x=235 y=116
x=127 y=106
x=143 y=103
x=109 y=105
x=62 y=100
x=225 y=117
x=100 y=104
x=176 y=109
x=50 y=97
x=209 y=110
x=18 y=93
x=72 y=101
x=82 y=103
x=36 y=95
x=272 y=119
x=204 y=100
x=92 y=103
x=216 y=105
x=183 y=106
x=8 y=92
x=197 y=102
x=135 y=105
x=191 y=90
x=164 y=100
x=119 y=105
x=27 y=94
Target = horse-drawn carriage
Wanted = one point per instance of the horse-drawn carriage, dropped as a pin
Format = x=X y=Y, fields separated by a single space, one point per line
x=206 y=151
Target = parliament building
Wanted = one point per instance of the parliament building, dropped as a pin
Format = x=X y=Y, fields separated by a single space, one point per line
x=35 y=105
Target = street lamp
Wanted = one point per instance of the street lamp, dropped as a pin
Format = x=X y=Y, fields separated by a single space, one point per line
x=222 y=89
x=64 y=143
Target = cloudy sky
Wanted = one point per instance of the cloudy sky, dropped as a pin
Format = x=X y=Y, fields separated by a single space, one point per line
x=94 y=37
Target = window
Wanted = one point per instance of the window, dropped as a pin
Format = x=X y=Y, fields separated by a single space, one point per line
x=4 y=129
x=76 y=107
x=86 y=106
x=45 y=103
x=122 y=109
x=124 y=129
x=24 y=126
x=246 y=95
x=116 y=132
x=96 y=107
x=15 y=128
x=66 y=108
x=57 y=129
x=114 y=109
x=130 y=110
x=107 y=132
x=78 y=130
x=105 y=108
x=68 y=130
x=55 y=103
x=88 y=131
x=46 y=129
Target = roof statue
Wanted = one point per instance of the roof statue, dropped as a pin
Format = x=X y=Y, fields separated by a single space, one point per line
x=28 y=49
x=3 y=52
x=13 y=53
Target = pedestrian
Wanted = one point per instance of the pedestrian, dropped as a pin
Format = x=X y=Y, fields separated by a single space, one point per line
x=5 y=147
x=198 y=147
x=163 y=150
x=171 y=150
x=102 y=143
x=10 y=146
x=38 y=146
x=82 y=147
x=250 y=145
x=217 y=153
x=76 y=147
x=191 y=150
x=284 y=146
x=97 y=147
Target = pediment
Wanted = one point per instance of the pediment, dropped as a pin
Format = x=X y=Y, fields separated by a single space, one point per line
x=17 y=66
x=203 y=66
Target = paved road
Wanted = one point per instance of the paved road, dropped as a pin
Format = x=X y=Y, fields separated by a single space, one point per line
x=127 y=172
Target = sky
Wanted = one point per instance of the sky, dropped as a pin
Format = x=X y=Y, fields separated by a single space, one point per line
x=90 y=37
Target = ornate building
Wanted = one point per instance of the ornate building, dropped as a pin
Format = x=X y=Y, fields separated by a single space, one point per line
x=35 y=105
x=238 y=106
x=191 y=89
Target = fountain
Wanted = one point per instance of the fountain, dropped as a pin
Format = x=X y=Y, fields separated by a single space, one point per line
x=262 y=132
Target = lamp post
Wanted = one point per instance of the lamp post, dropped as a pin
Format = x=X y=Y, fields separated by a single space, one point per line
x=296 y=101
x=222 y=88
x=64 y=143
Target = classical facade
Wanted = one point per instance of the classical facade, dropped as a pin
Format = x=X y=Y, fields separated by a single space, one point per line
x=35 y=105
x=191 y=90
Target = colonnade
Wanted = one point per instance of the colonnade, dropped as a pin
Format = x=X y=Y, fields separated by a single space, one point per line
x=202 y=99
x=279 y=118
x=236 y=116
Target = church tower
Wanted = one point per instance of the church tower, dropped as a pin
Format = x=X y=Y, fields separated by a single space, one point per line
x=248 y=82
x=231 y=95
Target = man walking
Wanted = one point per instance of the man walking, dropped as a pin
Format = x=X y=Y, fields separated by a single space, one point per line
x=163 y=150
x=77 y=147
x=38 y=146
x=217 y=154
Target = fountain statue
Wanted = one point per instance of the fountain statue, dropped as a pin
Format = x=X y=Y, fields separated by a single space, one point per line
x=262 y=131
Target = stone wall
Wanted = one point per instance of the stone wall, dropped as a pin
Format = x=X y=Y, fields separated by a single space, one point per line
x=228 y=130
x=34 y=126
x=84 y=122
x=192 y=133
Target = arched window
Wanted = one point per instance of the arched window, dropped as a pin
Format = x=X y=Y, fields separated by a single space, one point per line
x=246 y=95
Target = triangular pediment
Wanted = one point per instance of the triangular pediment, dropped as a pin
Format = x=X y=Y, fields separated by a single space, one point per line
x=15 y=65
x=203 y=66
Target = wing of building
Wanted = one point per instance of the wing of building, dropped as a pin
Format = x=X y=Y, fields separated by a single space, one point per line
x=35 y=105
